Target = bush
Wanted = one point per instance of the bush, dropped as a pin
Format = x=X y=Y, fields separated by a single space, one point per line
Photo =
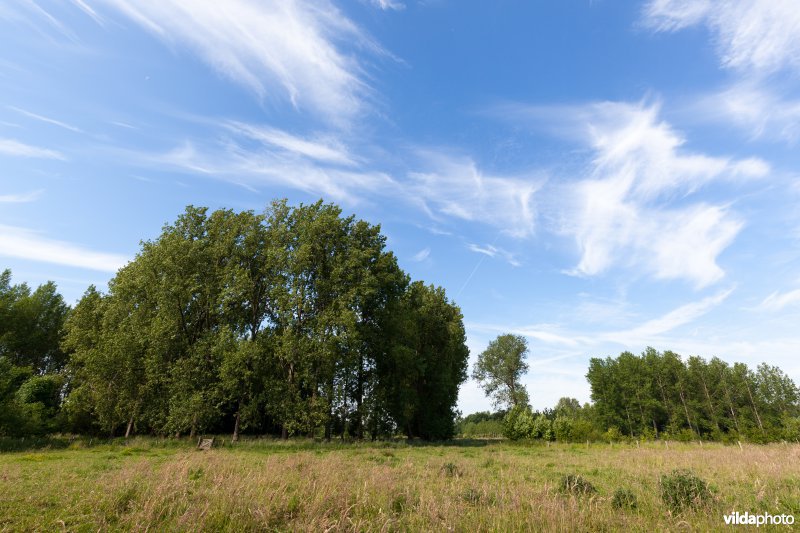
x=681 y=490
x=451 y=470
x=576 y=485
x=613 y=434
x=517 y=423
x=583 y=430
x=624 y=499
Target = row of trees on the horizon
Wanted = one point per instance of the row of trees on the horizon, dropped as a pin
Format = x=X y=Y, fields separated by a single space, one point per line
x=653 y=395
x=295 y=321
x=298 y=321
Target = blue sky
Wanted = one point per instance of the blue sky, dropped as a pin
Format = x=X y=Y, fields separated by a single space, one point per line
x=597 y=176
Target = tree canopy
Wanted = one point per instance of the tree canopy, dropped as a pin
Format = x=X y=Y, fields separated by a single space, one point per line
x=294 y=320
x=499 y=369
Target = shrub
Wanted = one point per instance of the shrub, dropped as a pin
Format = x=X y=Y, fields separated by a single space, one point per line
x=562 y=429
x=613 y=434
x=681 y=489
x=517 y=423
x=624 y=499
x=577 y=485
x=451 y=470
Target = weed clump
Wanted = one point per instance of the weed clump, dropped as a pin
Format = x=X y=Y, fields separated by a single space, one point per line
x=624 y=499
x=576 y=485
x=471 y=496
x=681 y=489
x=451 y=470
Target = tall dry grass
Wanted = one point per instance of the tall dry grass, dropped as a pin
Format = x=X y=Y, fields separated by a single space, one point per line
x=493 y=487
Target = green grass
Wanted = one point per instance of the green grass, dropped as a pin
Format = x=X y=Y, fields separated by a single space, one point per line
x=263 y=484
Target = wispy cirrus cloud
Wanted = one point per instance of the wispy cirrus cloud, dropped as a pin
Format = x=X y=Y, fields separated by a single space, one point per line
x=22 y=198
x=24 y=243
x=626 y=212
x=387 y=5
x=285 y=50
x=253 y=166
x=777 y=301
x=648 y=333
x=46 y=120
x=422 y=255
x=454 y=186
x=757 y=37
x=651 y=332
x=13 y=147
x=323 y=148
x=762 y=110
x=493 y=251
x=759 y=41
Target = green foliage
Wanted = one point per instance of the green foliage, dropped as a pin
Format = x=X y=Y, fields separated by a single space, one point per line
x=31 y=325
x=658 y=394
x=518 y=423
x=682 y=489
x=499 y=368
x=624 y=499
x=294 y=320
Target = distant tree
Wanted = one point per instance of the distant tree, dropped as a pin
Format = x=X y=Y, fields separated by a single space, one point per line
x=499 y=369
x=31 y=325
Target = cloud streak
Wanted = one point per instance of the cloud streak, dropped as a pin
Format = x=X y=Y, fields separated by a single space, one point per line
x=286 y=50
x=13 y=147
x=778 y=301
x=21 y=198
x=624 y=213
x=46 y=120
x=454 y=186
x=757 y=37
x=27 y=244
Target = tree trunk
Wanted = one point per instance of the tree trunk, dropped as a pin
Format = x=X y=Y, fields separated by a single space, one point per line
x=755 y=409
x=129 y=428
x=686 y=409
x=730 y=406
x=235 y=437
x=711 y=411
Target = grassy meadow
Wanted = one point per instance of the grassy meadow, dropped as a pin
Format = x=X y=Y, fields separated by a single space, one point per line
x=269 y=485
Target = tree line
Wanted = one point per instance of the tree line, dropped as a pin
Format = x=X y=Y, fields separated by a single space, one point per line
x=294 y=321
x=653 y=395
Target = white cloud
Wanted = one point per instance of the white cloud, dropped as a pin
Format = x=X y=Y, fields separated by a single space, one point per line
x=493 y=251
x=27 y=244
x=260 y=165
x=282 y=48
x=455 y=187
x=83 y=6
x=623 y=215
x=388 y=4
x=648 y=332
x=46 y=120
x=756 y=36
x=320 y=148
x=20 y=198
x=777 y=301
x=757 y=108
x=422 y=255
x=540 y=332
x=15 y=148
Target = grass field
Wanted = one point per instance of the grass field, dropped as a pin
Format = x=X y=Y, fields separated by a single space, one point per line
x=261 y=485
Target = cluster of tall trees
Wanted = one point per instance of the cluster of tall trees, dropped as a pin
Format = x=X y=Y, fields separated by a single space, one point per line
x=658 y=392
x=654 y=395
x=31 y=358
x=294 y=321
